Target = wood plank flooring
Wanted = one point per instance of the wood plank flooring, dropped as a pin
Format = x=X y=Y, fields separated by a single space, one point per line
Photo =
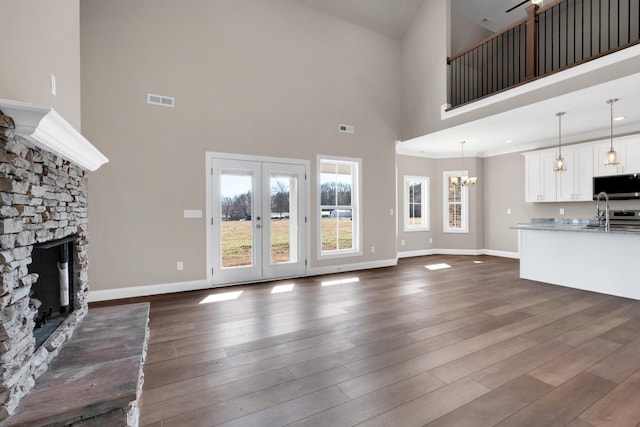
x=469 y=345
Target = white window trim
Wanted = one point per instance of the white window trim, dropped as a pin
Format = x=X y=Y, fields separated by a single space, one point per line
x=425 y=204
x=464 y=199
x=356 y=216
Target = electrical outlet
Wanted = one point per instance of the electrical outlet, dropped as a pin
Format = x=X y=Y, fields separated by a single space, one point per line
x=508 y=211
x=373 y=249
x=402 y=243
x=391 y=212
x=430 y=240
x=180 y=266
x=561 y=211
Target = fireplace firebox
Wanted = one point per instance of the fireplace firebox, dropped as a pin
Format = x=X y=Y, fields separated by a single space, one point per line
x=53 y=294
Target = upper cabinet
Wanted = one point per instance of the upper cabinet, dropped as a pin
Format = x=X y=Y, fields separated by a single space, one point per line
x=628 y=149
x=575 y=184
x=540 y=179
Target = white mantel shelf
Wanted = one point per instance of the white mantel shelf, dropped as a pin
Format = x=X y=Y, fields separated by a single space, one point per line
x=48 y=130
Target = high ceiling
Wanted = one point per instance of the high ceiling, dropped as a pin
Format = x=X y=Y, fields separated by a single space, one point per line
x=533 y=126
x=394 y=17
x=491 y=14
x=388 y=17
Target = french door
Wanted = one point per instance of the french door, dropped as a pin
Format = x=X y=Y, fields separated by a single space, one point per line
x=258 y=228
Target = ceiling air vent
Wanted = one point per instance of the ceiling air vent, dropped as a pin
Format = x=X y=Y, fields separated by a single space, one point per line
x=165 y=101
x=345 y=128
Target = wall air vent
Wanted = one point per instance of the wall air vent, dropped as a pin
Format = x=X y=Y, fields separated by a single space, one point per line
x=165 y=101
x=345 y=128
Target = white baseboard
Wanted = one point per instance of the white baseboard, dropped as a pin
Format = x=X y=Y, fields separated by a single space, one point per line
x=147 y=290
x=167 y=288
x=317 y=271
x=423 y=252
x=503 y=254
x=459 y=251
x=491 y=252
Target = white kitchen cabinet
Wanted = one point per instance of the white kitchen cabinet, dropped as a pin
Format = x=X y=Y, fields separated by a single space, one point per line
x=576 y=183
x=543 y=184
x=540 y=179
x=628 y=149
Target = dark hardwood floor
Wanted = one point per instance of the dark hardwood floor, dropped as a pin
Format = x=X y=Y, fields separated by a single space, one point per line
x=470 y=345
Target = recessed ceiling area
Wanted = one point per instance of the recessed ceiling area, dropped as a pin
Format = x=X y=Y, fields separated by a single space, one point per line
x=536 y=125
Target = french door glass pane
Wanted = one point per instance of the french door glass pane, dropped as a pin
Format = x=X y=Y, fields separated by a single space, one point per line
x=236 y=226
x=284 y=219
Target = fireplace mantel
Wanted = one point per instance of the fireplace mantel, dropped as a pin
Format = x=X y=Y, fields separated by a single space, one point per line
x=45 y=128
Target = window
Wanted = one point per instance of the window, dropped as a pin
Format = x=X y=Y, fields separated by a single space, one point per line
x=455 y=202
x=339 y=190
x=416 y=203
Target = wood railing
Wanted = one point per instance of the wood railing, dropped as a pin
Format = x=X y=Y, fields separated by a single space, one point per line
x=560 y=35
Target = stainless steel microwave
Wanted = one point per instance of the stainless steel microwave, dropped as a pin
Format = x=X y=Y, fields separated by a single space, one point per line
x=618 y=187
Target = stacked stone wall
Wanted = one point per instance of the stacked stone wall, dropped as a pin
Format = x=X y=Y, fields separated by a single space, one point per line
x=43 y=198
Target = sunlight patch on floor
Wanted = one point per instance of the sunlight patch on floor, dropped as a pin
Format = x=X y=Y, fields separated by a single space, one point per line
x=478 y=262
x=439 y=266
x=282 y=288
x=340 y=281
x=225 y=296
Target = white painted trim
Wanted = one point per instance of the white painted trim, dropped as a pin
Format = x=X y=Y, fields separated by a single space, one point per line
x=318 y=271
x=210 y=157
x=502 y=254
x=490 y=252
x=208 y=211
x=46 y=129
x=464 y=200
x=426 y=203
x=460 y=252
x=147 y=290
x=423 y=252
x=356 y=209
x=167 y=288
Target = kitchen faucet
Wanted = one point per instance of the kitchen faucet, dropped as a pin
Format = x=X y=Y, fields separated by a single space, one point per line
x=606 y=210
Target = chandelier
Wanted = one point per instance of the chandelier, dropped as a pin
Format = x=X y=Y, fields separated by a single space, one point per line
x=463 y=180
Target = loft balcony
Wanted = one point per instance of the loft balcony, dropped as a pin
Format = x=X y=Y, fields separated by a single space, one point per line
x=551 y=39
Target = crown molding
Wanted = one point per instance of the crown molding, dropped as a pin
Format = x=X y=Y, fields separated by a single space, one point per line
x=48 y=130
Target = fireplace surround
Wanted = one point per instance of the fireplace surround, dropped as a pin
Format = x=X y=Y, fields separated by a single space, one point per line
x=44 y=200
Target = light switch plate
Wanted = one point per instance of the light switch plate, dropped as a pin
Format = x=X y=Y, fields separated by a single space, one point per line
x=195 y=213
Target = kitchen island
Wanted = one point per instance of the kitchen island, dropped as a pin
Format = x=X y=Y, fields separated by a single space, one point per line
x=574 y=253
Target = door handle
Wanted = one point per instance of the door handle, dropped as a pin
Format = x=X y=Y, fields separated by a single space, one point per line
x=258 y=226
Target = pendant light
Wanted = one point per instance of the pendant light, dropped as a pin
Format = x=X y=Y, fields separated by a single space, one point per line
x=611 y=158
x=463 y=180
x=559 y=162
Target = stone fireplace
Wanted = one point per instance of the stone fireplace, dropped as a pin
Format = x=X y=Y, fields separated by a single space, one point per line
x=43 y=216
